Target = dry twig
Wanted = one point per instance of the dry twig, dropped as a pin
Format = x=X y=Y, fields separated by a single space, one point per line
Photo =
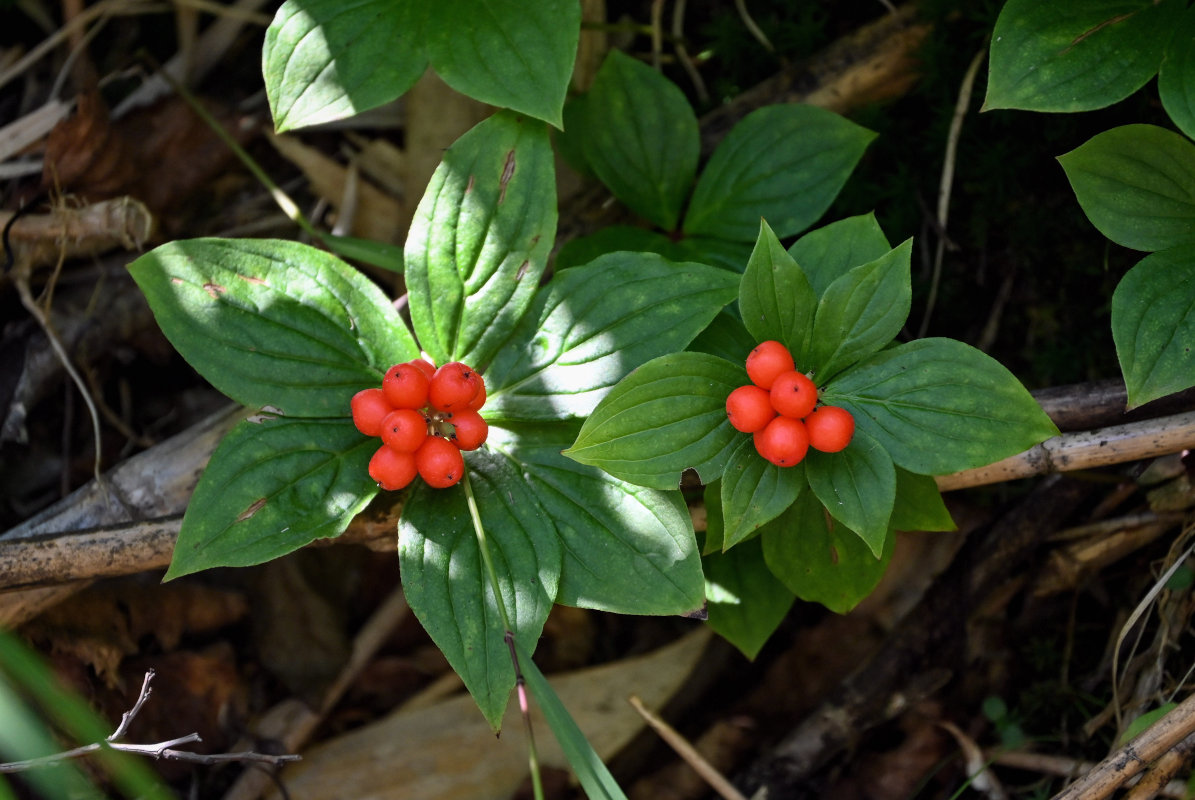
x=157 y=750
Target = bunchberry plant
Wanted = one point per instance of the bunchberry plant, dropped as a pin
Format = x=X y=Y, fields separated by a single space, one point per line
x=345 y=390
x=811 y=519
x=1136 y=183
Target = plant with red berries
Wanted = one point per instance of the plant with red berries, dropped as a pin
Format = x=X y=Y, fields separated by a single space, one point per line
x=825 y=438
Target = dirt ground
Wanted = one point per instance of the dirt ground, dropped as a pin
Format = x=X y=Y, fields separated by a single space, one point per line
x=1001 y=660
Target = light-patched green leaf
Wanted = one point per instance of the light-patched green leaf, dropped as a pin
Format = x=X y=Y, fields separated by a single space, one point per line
x=819 y=560
x=447 y=585
x=829 y=251
x=860 y=312
x=480 y=239
x=746 y=601
x=857 y=486
x=504 y=52
x=627 y=549
x=272 y=486
x=939 y=406
x=667 y=416
x=785 y=163
x=569 y=350
x=919 y=505
x=325 y=60
x=775 y=298
x=641 y=138
x=1136 y=184
x=273 y=323
x=1176 y=78
x=754 y=492
x=1153 y=325
x=1078 y=55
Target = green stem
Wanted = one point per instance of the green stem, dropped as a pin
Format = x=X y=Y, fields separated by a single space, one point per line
x=520 y=684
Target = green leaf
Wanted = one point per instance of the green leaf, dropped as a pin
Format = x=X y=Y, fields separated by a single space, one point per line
x=919 y=505
x=378 y=254
x=746 y=601
x=595 y=778
x=1076 y=56
x=502 y=53
x=714 y=528
x=831 y=250
x=725 y=337
x=715 y=252
x=447 y=585
x=325 y=60
x=819 y=561
x=785 y=163
x=860 y=313
x=272 y=486
x=273 y=323
x=1136 y=184
x=940 y=406
x=1141 y=723
x=754 y=491
x=857 y=486
x=1153 y=325
x=641 y=138
x=627 y=549
x=569 y=350
x=667 y=416
x=1176 y=78
x=480 y=239
x=584 y=249
x=775 y=298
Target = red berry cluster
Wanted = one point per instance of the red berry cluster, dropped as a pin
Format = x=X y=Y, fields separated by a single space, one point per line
x=426 y=417
x=780 y=408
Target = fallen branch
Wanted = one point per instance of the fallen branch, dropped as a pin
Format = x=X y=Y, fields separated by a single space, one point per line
x=1152 y=744
x=1074 y=451
x=157 y=750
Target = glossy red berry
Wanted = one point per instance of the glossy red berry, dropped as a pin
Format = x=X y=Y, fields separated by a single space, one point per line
x=768 y=360
x=370 y=407
x=439 y=462
x=454 y=387
x=470 y=430
x=793 y=394
x=830 y=428
x=424 y=366
x=477 y=402
x=749 y=408
x=406 y=386
x=404 y=429
x=391 y=469
x=783 y=441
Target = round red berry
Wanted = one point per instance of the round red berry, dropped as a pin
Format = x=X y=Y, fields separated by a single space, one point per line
x=439 y=462
x=469 y=429
x=477 y=402
x=424 y=366
x=794 y=395
x=783 y=441
x=370 y=407
x=830 y=428
x=749 y=408
x=768 y=360
x=404 y=429
x=405 y=386
x=454 y=387
x=391 y=469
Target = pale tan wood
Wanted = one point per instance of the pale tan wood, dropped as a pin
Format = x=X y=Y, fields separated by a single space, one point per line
x=1075 y=451
x=448 y=752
